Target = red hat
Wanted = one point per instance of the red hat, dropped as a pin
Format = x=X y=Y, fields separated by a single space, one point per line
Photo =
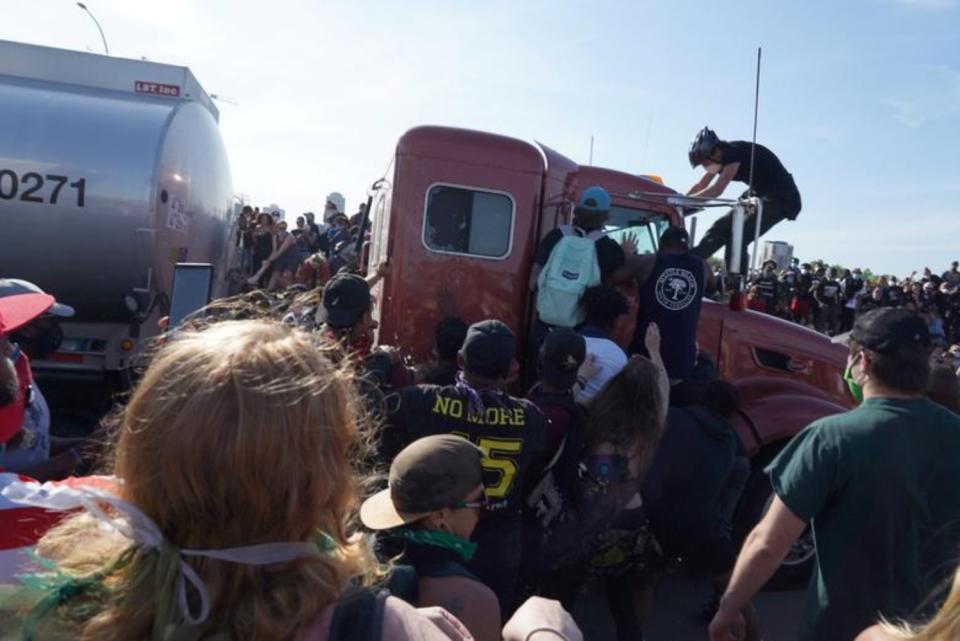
x=19 y=309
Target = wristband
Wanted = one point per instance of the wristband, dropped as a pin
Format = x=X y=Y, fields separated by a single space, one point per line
x=581 y=381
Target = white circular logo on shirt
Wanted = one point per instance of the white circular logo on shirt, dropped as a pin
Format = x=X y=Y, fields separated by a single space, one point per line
x=676 y=288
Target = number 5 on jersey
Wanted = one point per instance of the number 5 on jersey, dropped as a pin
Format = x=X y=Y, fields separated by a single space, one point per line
x=498 y=460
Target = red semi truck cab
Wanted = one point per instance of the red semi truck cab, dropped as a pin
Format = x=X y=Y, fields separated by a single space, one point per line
x=460 y=220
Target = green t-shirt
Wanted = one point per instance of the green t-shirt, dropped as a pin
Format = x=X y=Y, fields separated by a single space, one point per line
x=881 y=486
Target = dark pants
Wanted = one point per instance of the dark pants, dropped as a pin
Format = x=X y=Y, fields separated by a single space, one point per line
x=775 y=209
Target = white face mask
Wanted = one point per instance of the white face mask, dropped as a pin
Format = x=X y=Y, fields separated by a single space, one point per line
x=713 y=168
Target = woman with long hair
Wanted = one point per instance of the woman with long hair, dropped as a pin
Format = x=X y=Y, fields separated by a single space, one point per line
x=229 y=519
x=600 y=530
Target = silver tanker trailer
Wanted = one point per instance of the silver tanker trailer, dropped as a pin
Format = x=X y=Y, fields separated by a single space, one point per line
x=111 y=171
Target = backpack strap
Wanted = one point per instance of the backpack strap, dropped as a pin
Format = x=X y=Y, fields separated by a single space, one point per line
x=404 y=583
x=359 y=616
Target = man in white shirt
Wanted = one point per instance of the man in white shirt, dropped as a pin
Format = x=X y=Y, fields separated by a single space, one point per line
x=603 y=306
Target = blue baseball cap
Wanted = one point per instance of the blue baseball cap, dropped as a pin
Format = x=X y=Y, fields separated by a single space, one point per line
x=595 y=200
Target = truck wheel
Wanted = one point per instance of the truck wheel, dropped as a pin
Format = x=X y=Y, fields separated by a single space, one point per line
x=757 y=497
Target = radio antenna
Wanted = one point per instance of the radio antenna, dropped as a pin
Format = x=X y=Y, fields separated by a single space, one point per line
x=756 y=107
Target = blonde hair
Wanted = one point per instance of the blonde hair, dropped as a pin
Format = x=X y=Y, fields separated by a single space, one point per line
x=944 y=626
x=238 y=434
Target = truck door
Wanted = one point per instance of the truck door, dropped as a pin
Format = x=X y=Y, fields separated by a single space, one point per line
x=460 y=233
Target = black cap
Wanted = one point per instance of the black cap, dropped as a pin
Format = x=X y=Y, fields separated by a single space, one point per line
x=488 y=349
x=675 y=236
x=887 y=330
x=769 y=261
x=561 y=355
x=345 y=298
x=430 y=474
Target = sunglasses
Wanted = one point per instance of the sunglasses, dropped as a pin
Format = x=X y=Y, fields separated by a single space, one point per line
x=482 y=503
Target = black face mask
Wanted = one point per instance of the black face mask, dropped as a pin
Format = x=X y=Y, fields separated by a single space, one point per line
x=40 y=338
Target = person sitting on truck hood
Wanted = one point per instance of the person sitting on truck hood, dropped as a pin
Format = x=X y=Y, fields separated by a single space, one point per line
x=28 y=448
x=729 y=161
x=672 y=285
x=512 y=431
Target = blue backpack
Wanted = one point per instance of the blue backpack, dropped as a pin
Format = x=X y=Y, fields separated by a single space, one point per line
x=571 y=268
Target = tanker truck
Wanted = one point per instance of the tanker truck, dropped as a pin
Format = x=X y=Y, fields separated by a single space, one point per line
x=111 y=172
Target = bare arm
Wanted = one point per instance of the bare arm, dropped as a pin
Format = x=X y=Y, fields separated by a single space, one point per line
x=723 y=179
x=761 y=555
x=652 y=342
x=701 y=184
x=287 y=242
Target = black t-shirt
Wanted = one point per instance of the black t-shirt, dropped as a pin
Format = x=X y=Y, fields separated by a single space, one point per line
x=828 y=291
x=609 y=252
x=511 y=431
x=770 y=178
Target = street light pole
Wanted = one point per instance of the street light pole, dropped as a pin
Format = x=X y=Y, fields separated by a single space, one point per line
x=96 y=22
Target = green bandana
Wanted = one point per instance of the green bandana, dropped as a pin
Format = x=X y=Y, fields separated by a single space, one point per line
x=464 y=549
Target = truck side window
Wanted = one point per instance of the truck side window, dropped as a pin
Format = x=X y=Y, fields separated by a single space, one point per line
x=466 y=221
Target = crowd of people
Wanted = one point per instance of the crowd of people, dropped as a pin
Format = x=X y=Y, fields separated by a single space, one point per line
x=273 y=257
x=276 y=475
x=829 y=300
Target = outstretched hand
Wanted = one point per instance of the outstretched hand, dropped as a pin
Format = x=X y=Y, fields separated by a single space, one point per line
x=630 y=244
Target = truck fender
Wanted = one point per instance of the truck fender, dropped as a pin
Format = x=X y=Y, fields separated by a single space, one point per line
x=772 y=418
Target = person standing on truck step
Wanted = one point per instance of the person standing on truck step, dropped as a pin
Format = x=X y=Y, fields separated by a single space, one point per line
x=672 y=283
x=511 y=432
x=877 y=484
x=574 y=257
x=729 y=161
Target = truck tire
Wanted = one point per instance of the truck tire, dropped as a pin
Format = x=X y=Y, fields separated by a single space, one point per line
x=796 y=569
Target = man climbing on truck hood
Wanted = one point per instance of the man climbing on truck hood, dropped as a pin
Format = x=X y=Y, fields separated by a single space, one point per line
x=729 y=161
x=672 y=285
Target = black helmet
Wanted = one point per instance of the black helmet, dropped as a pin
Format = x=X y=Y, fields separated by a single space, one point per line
x=702 y=146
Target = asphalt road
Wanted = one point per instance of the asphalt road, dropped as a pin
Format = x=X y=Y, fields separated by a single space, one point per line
x=674 y=617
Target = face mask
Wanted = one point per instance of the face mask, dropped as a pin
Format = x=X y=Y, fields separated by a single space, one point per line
x=856 y=390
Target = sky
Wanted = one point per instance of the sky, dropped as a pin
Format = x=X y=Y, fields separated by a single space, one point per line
x=860 y=99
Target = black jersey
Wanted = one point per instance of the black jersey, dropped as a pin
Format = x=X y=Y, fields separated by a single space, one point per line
x=511 y=432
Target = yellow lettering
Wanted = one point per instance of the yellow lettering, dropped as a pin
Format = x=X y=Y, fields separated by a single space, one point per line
x=518 y=418
x=490 y=415
x=456 y=407
x=441 y=405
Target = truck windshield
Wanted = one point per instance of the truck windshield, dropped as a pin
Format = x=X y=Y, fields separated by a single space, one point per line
x=647 y=226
